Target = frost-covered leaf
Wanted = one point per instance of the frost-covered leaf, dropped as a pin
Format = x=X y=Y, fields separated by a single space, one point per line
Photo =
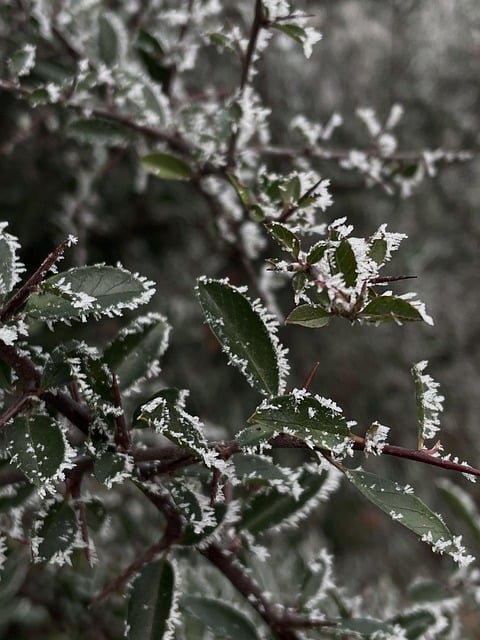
x=151 y=605
x=346 y=263
x=416 y=623
x=112 y=38
x=404 y=507
x=224 y=619
x=22 y=61
x=429 y=402
x=362 y=627
x=10 y=266
x=291 y=30
x=56 y=372
x=134 y=354
x=172 y=421
x=387 y=308
x=38 y=447
x=247 y=334
x=312 y=316
x=316 y=252
x=166 y=166
x=242 y=191
x=462 y=505
x=285 y=238
x=82 y=291
x=55 y=533
x=315 y=420
x=113 y=468
x=258 y=470
x=99 y=131
x=201 y=519
x=378 y=250
x=283 y=506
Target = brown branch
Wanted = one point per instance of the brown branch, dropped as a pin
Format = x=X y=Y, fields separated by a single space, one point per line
x=14 y=410
x=121 y=435
x=258 y=22
x=16 y=301
x=281 y=621
x=171 y=536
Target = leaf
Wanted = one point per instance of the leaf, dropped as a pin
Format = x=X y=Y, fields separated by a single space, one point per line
x=113 y=468
x=166 y=166
x=135 y=352
x=291 y=30
x=272 y=508
x=55 y=534
x=309 y=315
x=378 y=250
x=387 y=308
x=173 y=422
x=99 y=131
x=10 y=266
x=151 y=602
x=316 y=252
x=416 y=623
x=310 y=418
x=401 y=506
x=346 y=263
x=223 y=619
x=246 y=333
x=111 y=38
x=37 y=447
x=253 y=436
x=364 y=627
x=242 y=191
x=56 y=372
x=257 y=470
x=22 y=61
x=285 y=238
x=83 y=291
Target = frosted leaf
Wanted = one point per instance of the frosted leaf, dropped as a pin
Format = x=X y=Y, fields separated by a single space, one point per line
x=23 y=60
x=429 y=401
x=10 y=266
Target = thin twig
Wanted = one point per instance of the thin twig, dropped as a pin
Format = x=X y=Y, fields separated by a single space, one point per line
x=16 y=301
x=14 y=409
x=121 y=435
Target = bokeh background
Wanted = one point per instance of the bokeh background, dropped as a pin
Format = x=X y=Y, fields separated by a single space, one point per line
x=421 y=54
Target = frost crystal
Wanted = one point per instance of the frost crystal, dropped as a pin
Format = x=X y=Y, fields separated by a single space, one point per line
x=429 y=401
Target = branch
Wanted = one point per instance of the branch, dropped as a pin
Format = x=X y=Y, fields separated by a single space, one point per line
x=258 y=22
x=280 y=620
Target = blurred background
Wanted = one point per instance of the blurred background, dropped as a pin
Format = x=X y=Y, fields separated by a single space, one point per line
x=421 y=54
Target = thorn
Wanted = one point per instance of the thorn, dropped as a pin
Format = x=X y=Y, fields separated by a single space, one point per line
x=311 y=376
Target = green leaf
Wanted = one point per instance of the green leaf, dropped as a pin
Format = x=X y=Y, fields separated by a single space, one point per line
x=37 y=447
x=299 y=281
x=56 y=533
x=99 y=131
x=309 y=315
x=166 y=166
x=346 y=263
x=363 y=627
x=416 y=623
x=111 y=38
x=273 y=508
x=56 y=372
x=316 y=252
x=378 y=250
x=151 y=602
x=10 y=266
x=290 y=191
x=401 y=505
x=291 y=30
x=135 y=352
x=285 y=238
x=242 y=191
x=22 y=61
x=223 y=619
x=462 y=505
x=83 y=291
x=257 y=470
x=246 y=334
x=172 y=421
x=388 y=308
x=251 y=437
x=113 y=468
x=310 y=418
